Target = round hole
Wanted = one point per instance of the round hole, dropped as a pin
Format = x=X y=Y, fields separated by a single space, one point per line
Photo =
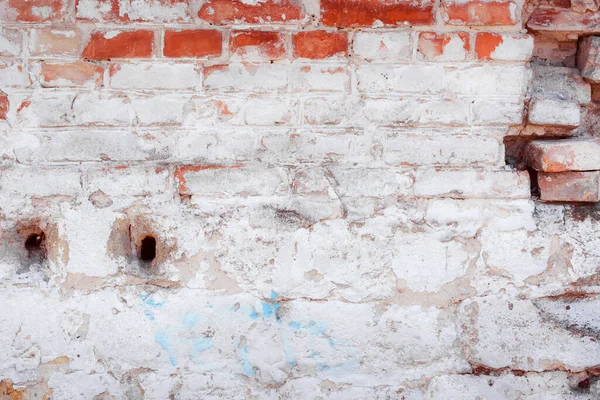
x=148 y=249
x=35 y=243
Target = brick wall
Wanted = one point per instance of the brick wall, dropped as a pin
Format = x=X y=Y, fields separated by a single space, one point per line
x=299 y=199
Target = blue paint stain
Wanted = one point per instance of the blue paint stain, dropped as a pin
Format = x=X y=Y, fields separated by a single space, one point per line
x=332 y=342
x=269 y=309
x=295 y=325
x=190 y=319
x=200 y=345
x=149 y=301
x=248 y=370
x=273 y=295
x=162 y=338
x=317 y=328
x=149 y=314
x=254 y=315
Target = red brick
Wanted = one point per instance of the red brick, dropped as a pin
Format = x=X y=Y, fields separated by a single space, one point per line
x=561 y=20
x=134 y=44
x=485 y=44
x=319 y=44
x=235 y=11
x=266 y=44
x=564 y=155
x=503 y=47
x=432 y=46
x=34 y=10
x=193 y=43
x=344 y=13
x=480 y=12
x=569 y=186
x=79 y=73
x=3 y=105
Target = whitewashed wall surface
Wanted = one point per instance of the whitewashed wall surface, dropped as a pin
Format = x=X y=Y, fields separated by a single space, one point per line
x=299 y=199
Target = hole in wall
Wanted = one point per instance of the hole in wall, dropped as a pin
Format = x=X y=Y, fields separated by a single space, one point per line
x=148 y=249
x=35 y=244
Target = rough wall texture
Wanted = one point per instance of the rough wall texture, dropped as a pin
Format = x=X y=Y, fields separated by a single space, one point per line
x=231 y=199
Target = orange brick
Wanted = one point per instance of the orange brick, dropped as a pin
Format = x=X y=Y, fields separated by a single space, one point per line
x=134 y=44
x=561 y=20
x=433 y=46
x=34 y=10
x=319 y=44
x=344 y=13
x=79 y=73
x=569 y=186
x=3 y=105
x=50 y=41
x=485 y=44
x=193 y=43
x=266 y=44
x=480 y=12
x=232 y=11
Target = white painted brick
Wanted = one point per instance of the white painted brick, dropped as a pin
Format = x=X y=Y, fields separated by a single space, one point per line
x=43 y=109
x=11 y=41
x=416 y=111
x=372 y=182
x=102 y=109
x=40 y=182
x=488 y=80
x=155 y=11
x=234 y=181
x=320 y=78
x=560 y=83
x=472 y=184
x=89 y=145
x=386 y=78
x=247 y=77
x=211 y=110
x=425 y=263
x=554 y=385
x=271 y=111
x=331 y=110
x=402 y=149
x=126 y=181
x=528 y=339
x=159 y=110
x=465 y=218
x=553 y=112
x=309 y=146
x=13 y=75
x=135 y=10
x=521 y=253
x=497 y=112
x=371 y=45
x=153 y=76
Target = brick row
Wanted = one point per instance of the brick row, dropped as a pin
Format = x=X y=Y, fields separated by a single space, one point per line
x=313 y=44
x=250 y=144
x=334 y=13
x=50 y=108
